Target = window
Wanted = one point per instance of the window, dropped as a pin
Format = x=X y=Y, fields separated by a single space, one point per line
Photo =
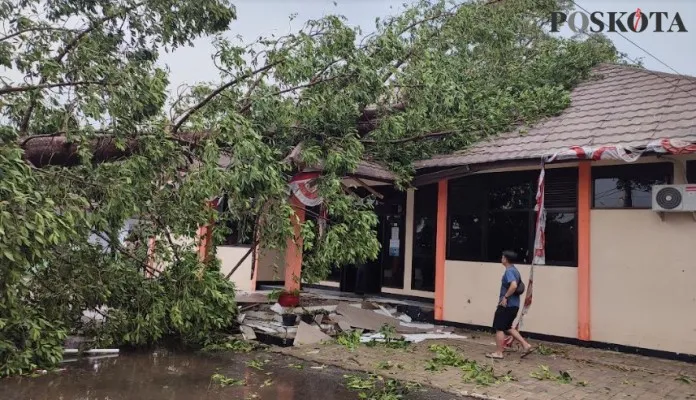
x=237 y=232
x=628 y=186
x=691 y=171
x=495 y=212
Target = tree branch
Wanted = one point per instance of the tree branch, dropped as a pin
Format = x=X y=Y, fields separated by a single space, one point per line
x=56 y=149
x=219 y=90
x=26 y=88
x=410 y=138
x=34 y=29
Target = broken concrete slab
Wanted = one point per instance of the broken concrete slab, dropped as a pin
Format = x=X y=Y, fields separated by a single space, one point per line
x=263 y=327
x=262 y=315
x=307 y=334
x=405 y=318
x=420 y=337
x=247 y=332
x=251 y=297
x=278 y=309
x=328 y=309
x=365 y=319
x=383 y=311
x=344 y=326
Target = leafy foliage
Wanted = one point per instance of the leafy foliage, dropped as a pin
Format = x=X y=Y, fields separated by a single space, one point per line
x=375 y=387
x=472 y=371
x=84 y=87
x=223 y=380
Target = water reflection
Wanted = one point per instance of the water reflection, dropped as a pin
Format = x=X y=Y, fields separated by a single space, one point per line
x=163 y=376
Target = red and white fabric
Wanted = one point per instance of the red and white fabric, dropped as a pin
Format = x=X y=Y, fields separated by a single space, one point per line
x=539 y=257
x=303 y=187
x=625 y=153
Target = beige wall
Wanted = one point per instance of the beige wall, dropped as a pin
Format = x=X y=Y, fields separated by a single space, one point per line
x=229 y=256
x=271 y=265
x=472 y=288
x=642 y=279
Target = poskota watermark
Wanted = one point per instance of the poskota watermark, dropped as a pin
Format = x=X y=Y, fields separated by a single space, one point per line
x=619 y=21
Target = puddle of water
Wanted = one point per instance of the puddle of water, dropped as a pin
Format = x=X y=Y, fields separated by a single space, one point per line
x=172 y=376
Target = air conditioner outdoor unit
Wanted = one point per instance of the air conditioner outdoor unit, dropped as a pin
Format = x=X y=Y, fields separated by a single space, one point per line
x=674 y=198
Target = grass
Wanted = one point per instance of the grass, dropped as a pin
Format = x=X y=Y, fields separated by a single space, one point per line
x=223 y=380
x=685 y=379
x=472 y=371
x=374 y=387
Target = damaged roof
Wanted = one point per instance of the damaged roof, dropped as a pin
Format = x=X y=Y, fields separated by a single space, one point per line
x=617 y=105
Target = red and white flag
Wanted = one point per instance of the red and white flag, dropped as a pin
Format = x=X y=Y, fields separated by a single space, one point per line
x=539 y=257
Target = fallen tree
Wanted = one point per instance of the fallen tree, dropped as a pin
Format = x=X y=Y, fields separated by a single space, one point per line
x=433 y=79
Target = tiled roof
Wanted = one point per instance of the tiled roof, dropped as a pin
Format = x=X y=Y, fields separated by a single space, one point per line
x=373 y=170
x=618 y=105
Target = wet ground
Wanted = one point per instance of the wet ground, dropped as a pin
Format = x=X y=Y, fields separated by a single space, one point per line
x=171 y=376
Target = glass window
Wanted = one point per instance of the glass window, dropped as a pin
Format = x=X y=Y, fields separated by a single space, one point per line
x=508 y=231
x=490 y=213
x=465 y=239
x=628 y=186
x=691 y=171
x=561 y=238
x=510 y=194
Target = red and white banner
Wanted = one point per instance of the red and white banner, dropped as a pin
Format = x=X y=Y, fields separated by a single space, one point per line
x=303 y=187
x=539 y=257
x=625 y=153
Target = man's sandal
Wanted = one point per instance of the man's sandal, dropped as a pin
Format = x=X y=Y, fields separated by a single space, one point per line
x=528 y=351
x=494 y=356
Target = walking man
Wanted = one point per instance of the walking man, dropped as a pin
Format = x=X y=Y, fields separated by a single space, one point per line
x=508 y=307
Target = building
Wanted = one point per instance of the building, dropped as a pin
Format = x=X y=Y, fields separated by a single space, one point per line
x=616 y=272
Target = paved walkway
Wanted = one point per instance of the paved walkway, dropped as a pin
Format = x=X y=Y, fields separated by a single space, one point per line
x=596 y=374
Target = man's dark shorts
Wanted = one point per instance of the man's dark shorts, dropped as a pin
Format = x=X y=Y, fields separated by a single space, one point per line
x=504 y=318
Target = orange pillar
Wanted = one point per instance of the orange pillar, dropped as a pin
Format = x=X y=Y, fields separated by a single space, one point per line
x=440 y=249
x=205 y=233
x=584 y=206
x=293 y=252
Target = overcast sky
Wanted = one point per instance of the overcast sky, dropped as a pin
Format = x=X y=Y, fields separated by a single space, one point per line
x=264 y=17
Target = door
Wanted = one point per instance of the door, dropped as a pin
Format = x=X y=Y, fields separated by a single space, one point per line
x=424 y=231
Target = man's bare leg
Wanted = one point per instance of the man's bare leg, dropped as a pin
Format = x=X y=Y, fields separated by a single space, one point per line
x=499 y=344
x=516 y=335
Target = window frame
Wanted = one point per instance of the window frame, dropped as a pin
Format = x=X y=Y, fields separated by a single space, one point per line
x=627 y=171
x=482 y=183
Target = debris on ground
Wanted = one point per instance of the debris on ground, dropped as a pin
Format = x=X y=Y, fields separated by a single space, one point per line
x=329 y=316
x=307 y=334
